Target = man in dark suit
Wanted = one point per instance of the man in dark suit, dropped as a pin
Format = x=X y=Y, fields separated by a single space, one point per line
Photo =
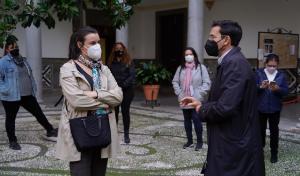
x=234 y=141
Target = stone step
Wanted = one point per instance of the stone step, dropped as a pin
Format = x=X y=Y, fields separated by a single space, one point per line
x=289 y=135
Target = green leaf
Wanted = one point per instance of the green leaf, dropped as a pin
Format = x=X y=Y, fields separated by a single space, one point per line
x=127 y=8
x=49 y=21
x=64 y=10
x=151 y=73
x=36 y=21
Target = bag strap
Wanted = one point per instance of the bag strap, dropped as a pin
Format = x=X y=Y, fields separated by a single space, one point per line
x=200 y=65
x=179 y=75
x=86 y=75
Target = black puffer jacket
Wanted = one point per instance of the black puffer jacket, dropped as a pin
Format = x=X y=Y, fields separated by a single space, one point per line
x=124 y=74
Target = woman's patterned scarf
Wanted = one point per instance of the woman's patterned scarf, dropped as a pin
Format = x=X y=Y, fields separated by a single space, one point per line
x=89 y=63
x=96 y=67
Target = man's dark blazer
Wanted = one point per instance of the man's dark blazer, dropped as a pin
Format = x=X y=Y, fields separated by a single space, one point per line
x=234 y=141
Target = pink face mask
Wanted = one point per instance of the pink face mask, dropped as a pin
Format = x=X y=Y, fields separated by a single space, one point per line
x=271 y=70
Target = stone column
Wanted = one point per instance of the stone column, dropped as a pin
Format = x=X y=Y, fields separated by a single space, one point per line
x=195 y=26
x=34 y=56
x=122 y=35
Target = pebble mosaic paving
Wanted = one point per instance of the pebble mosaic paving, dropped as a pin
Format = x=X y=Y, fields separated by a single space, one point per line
x=155 y=149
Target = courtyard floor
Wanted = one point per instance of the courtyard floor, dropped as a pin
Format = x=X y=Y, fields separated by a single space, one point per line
x=155 y=149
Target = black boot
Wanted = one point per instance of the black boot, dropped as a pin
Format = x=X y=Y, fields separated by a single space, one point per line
x=274 y=153
x=274 y=158
x=188 y=144
x=14 y=145
x=126 y=138
x=198 y=146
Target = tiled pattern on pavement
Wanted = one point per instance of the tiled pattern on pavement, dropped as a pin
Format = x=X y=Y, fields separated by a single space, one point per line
x=156 y=149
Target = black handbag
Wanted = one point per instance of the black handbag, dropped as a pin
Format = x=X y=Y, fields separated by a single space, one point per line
x=91 y=132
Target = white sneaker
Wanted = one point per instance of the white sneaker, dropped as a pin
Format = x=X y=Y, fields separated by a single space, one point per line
x=51 y=136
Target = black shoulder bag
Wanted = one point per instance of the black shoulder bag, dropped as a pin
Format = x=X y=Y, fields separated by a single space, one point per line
x=91 y=132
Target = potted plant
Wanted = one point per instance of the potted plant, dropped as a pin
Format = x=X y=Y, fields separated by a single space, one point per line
x=150 y=75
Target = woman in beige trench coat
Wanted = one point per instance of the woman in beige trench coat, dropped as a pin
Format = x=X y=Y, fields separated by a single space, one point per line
x=78 y=87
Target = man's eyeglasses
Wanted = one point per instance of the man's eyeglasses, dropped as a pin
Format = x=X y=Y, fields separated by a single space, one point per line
x=211 y=37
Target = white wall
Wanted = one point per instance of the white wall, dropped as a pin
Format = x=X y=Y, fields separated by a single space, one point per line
x=253 y=15
x=142 y=35
x=55 y=42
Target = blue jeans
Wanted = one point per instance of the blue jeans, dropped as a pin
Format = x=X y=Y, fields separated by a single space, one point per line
x=189 y=115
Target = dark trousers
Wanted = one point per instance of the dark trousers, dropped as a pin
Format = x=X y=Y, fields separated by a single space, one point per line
x=91 y=164
x=274 y=119
x=31 y=105
x=189 y=115
x=128 y=95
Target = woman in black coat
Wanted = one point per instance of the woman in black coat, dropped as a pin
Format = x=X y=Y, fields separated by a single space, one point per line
x=123 y=70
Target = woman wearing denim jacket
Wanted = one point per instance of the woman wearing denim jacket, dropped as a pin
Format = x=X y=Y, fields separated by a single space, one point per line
x=272 y=86
x=18 y=88
x=191 y=79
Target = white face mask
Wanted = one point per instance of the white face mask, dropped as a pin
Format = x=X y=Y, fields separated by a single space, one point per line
x=94 y=52
x=271 y=70
x=189 y=58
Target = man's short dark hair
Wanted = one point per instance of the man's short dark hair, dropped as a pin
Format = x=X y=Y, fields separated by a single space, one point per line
x=230 y=28
x=272 y=57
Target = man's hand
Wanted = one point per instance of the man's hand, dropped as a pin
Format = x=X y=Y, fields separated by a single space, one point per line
x=92 y=94
x=191 y=101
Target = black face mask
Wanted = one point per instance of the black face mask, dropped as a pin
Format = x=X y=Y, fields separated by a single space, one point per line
x=119 y=53
x=211 y=48
x=15 y=52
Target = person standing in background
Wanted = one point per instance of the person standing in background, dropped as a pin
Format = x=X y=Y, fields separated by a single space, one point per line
x=191 y=79
x=122 y=68
x=18 y=88
x=272 y=86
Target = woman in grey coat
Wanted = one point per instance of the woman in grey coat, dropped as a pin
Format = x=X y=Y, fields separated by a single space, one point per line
x=191 y=79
